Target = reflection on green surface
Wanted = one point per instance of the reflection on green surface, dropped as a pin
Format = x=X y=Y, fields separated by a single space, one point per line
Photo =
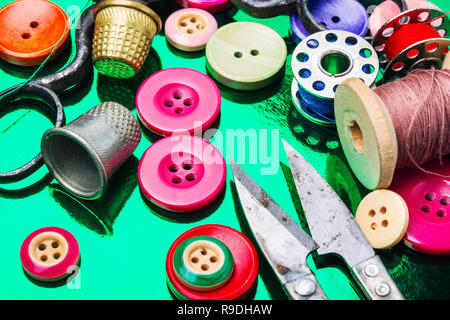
x=129 y=263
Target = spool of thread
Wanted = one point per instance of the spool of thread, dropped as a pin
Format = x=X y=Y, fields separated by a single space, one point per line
x=411 y=40
x=322 y=61
x=400 y=124
x=388 y=9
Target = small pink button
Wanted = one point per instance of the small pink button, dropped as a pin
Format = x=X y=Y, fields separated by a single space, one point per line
x=189 y=29
x=428 y=200
x=182 y=173
x=208 y=5
x=178 y=100
x=49 y=254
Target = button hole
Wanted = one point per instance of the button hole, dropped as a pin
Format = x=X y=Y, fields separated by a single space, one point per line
x=383 y=210
x=441 y=213
x=372 y=213
x=205 y=267
x=444 y=201
x=173 y=167
x=238 y=54
x=168 y=104
x=44 y=258
x=177 y=94
x=384 y=223
x=26 y=35
x=57 y=255
x=179 y=110
x=190 y=177
x=190 y=31
x=426 y=209
x=55 y=244
x=213 y=259
x=176 y=180
x=194 y=259
x=34 y=24
x=188 y=102
x=373 y=226
x=188 y=165
x=42 y=247
x=430 y=196
x=204 y=252
x=254 y=52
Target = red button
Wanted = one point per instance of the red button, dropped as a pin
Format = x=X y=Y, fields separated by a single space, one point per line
x=50 y=254
x=30 y=30
x=246 y=265
x=208 y=5
x=428 y=200
x=178 y=100
x=182 y=173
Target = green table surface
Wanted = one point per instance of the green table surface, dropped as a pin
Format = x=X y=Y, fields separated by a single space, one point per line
x=123 y=239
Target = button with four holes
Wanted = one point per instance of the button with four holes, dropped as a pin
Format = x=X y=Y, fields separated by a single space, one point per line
x=30 y=30
x=220 y=263
x=178 y=100
x=203 y=263
x=246 y=55
x=208 y=5
x=383 y=217
x=49 y=254
x=428 y=200
x=190 y=29
x=182 y=173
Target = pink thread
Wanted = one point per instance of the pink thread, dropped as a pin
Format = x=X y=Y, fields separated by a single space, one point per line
x=419 y=105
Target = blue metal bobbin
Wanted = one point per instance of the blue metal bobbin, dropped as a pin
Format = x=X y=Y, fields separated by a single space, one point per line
x=348 y=15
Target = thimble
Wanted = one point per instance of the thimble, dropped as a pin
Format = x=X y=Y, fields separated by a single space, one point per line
x=123 y=36
x=84 y=154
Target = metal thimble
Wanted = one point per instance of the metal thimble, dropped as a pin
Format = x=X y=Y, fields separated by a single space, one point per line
x=123 y=36
x=84 y=154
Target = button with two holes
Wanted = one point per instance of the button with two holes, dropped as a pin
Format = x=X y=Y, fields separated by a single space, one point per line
x=30 y=30
x=190 y=29
x=383 y=217
x=182 y=173
x=246 y=55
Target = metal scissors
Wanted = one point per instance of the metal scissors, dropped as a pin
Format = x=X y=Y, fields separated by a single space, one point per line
x=286 y=245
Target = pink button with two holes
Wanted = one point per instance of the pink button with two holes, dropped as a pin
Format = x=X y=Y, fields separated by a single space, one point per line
x=182 y=173
x=428 y=200
x=208 y=5
x=49 y=254
x=178 y=100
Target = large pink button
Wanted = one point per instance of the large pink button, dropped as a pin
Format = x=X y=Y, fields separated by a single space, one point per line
x=182 y=173
x=428 y=200
x=208 y=5
x=178 y=100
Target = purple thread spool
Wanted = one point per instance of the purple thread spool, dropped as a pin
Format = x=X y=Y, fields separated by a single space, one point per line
x=348 y=15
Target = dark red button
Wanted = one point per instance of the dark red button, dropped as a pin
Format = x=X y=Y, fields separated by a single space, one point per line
x=30 y=30
x=246 y=265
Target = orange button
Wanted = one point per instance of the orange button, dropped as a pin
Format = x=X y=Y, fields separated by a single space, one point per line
x=30 y=30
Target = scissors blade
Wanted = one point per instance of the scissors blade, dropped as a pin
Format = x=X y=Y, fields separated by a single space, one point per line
x=331 y=224
x=283 y=242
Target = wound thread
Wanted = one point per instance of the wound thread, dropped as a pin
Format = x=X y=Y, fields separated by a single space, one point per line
x=419 y=105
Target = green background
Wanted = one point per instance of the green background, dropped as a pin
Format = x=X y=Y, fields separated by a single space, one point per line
x=123 y=239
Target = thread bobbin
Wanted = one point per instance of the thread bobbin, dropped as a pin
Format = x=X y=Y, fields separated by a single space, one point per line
x=366 y=132
x=325 y=59
x=423 y=54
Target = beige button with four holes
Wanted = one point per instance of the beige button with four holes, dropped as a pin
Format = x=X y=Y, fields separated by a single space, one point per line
x=383 y=217
x=48 y=248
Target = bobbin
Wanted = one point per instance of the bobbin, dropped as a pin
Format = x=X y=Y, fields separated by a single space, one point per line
x=367 y=133
x=314 y=53
x=422 y=54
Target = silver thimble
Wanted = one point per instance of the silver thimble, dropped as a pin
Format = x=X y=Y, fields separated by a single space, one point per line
x=84 y=154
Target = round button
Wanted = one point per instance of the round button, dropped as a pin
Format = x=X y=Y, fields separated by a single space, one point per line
x=428 y=200
x=178 y=100
x=208 y=5
x=182 y=173
x=190 y=29
x=246 y=264
x=246 y=55
x=383 y=217
x=30 y=30
x=387 y=10
x=203 y=263
x=49 y=254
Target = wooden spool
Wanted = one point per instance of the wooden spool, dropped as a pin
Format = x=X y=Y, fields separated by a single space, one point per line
x=366 y=132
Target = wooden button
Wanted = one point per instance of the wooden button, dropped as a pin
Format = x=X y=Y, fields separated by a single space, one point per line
x=246 y=55
x=30 y=30
x=203 y=263
x=383 y=217
x=190 y=29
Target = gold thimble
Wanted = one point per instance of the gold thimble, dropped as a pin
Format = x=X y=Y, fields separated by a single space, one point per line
x=123 y=36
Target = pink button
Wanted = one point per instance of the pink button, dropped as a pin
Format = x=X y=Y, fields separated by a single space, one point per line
x=428 y=200
x=182 y=173
x=189 y=29
x=178 y=100
x=208 y=5
x=49 y=254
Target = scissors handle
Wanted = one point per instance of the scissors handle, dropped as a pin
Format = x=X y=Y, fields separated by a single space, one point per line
x=305 y=288
x=375 y=280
